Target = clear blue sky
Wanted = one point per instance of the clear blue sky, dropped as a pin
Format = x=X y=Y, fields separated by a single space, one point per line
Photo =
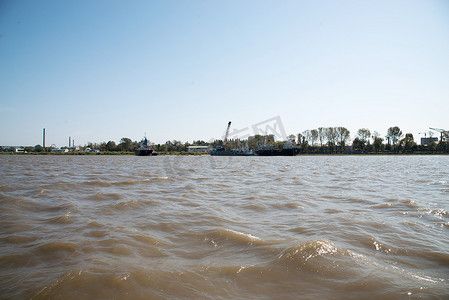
x=102 y=70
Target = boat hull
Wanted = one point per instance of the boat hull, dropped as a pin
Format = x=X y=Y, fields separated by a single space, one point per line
x=276 y=152
x=147 y=152
x=220 y=152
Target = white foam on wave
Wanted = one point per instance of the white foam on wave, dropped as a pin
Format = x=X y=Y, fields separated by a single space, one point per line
x=247 y=235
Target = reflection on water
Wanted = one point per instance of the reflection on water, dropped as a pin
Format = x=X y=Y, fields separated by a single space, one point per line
x=341 y=227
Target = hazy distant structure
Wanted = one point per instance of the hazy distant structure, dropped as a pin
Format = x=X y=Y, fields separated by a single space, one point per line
x=70 y=141
x=43 y=138
x=444 y=134
x=426 y=141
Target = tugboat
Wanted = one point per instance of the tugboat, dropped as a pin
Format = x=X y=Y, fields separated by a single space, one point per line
x=222 y=151
x=145 y=149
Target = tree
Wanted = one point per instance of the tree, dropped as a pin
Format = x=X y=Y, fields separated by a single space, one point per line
x=408 y=143
x=321 y=135
x=377 y=143
x=394 y=134
x=126 y=144
x=38 y=148
x=111 y=146
x=307 y=136
x=343 y=136
x=364 y=135
x=358 y=144
x=313 y=136
x=331 y=135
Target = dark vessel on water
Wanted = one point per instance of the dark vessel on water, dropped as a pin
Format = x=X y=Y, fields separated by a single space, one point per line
x=222 y=151
x=145 y=148
x=269 y=150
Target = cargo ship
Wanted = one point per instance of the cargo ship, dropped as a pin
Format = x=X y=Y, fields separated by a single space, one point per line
x=270 y=150
x=222 y=151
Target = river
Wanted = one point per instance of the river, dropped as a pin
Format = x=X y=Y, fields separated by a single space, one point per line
x=201 y=227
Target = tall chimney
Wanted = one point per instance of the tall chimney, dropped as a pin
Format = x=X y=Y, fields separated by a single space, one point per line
x=43 y=138
x=70 y=142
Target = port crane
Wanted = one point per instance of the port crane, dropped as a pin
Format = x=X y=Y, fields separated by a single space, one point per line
x=444 y=134
x=225 y=139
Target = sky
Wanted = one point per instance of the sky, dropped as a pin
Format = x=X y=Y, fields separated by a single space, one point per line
x=103 y=70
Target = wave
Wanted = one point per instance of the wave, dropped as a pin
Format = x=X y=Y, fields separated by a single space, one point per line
x=255 y=207
x=128 y=205
x=20 y=203
x=105 y=196
x=136 y=284
x=288 y=205
x=114 y=246
x=64 y=219
x=220 y=236
x=96 y=233
x=17 y=260
x=311 y=255
x=129 y=182
x=18 y=239
x=54 y=247
x=441 y=258
x=147 y=239
x=95 y=224
x=5 y=188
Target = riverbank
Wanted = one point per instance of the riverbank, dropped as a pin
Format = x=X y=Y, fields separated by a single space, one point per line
x=98 y=153
x=202 y=154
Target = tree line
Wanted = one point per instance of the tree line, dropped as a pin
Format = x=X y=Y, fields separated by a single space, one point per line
x=337 y=140
x=322 y=140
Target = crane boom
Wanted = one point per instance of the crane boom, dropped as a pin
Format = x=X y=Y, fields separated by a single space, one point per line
x=227 y=133
x=438 y=129
x=444 y=134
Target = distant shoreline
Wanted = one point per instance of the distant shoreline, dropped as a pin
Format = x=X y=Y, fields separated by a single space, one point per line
x=207 y=154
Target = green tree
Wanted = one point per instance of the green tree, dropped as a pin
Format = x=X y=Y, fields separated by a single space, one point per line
x=126 y=144
x=111 y=146
x=364 y=135
x=377 y=144
x=38 y=148
x=408 y=143
x=394 y=134
x=307 y=136
x=343 y=136
x=313 y=136
x=331 y=136
x=358 y=144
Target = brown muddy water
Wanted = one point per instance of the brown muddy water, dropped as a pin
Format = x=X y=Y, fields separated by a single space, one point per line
x=120 y=227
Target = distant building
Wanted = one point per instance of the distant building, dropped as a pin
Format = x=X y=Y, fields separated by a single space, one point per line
x=59 y=150
x=197 y=149
x=426 y=141
x=19 y=150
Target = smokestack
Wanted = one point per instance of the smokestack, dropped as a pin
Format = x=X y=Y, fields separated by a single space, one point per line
x=43 y=138
x=73 y=143
x=70 y=142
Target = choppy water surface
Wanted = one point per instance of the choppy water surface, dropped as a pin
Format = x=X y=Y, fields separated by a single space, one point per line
x=104 y=227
